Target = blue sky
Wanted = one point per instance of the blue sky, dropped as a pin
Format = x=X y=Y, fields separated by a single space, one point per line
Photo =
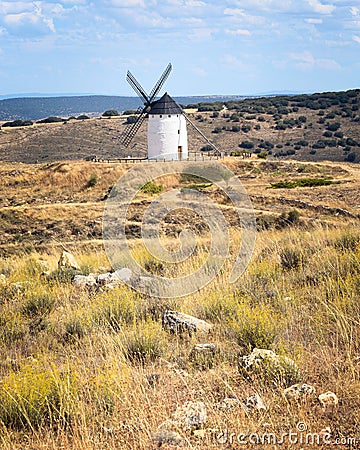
x=216 y=47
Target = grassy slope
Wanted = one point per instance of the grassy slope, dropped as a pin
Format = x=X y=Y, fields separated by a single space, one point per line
x=67 y=368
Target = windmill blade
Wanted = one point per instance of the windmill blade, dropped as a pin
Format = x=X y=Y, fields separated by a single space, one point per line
x=137 y=88
x=216 y=150
x=160 y=82
x=129 y=133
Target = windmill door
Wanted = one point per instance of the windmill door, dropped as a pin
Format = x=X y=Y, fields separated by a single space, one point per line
x=179 y=153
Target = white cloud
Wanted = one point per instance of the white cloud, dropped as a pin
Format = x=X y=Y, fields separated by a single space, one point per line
x=238 y=32
x=354 y=11
x=200 y=71
x=306 y=61
x=314 y=21
x=127 y=3
x=234 y=12
x=319 y=8
x=194 y=3
x=356 y=39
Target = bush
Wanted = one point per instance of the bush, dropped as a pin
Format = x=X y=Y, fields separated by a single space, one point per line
x=291 y=258
x=152 y=188
x=39 y=305
x=334 y=126
x=51 y=119
x=110 y=113
x=246 y=144
x=92 y=180
x=83 y=117
x=262 y=155
x=18 y=123
x=351 y=157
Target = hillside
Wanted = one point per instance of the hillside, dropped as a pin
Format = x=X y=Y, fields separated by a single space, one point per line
x=305 y=127
x=94 y=366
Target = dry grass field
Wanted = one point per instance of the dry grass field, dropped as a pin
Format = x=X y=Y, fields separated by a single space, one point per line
x=86 y=367
x=90 y=368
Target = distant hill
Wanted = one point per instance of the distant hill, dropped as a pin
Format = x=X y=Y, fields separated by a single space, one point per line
x=324 y=126
x=35 y=108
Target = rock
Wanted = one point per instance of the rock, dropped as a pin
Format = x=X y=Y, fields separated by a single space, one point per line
x=328 y=399
x=123 y=275
x=269 y=367
x=168 y=437
x=104 y=278
x=3 y=280
x=202 y=355
x=299 y=392
x=85 y=280
x=68 y=261
x=190 y=414
x=177 y=322
x=253 y=402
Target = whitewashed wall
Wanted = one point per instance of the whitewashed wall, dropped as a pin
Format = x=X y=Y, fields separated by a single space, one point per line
x=164 y=137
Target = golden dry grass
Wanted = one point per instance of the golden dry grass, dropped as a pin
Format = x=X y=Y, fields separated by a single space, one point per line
x=77 y=365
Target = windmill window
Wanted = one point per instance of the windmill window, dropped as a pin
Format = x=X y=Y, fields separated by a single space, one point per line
x=169 y=115
x=178 y=131
x=160 y=116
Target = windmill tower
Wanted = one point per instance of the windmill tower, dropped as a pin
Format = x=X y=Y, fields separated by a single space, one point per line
x=167 y=133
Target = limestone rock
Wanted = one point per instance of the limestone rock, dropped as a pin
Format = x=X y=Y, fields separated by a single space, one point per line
x=121 y=275
x=190 y=414
x=299 y=392
x=168 y=437
x=3 y=280
x=68 y=261
x=269 y=367
x=328 y=399
x=85 y=280
x=177 y=322
x=104 y=278
x=253 y=402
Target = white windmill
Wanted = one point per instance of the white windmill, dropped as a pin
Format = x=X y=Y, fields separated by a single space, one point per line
x=167 y=133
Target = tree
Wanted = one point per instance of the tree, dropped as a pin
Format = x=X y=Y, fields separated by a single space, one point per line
x=111 y=113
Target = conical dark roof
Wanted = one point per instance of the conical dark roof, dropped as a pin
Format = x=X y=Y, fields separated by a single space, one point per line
x=165 y=105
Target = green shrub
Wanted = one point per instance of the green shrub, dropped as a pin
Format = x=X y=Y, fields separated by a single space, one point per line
x=92 y=180
x=110 y=113
x=291 y=258
x=39 y=305
x=304 y=182
x=152 y=188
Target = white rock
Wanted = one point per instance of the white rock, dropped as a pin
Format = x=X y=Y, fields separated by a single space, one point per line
x=328 y=399
x=299 y=391
x=120 y=275
x=190 y=414
x=68 y=261
x=253 y=402
x=85 y=280
x=177 y=322
x=104 y=278
x=3 y=280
